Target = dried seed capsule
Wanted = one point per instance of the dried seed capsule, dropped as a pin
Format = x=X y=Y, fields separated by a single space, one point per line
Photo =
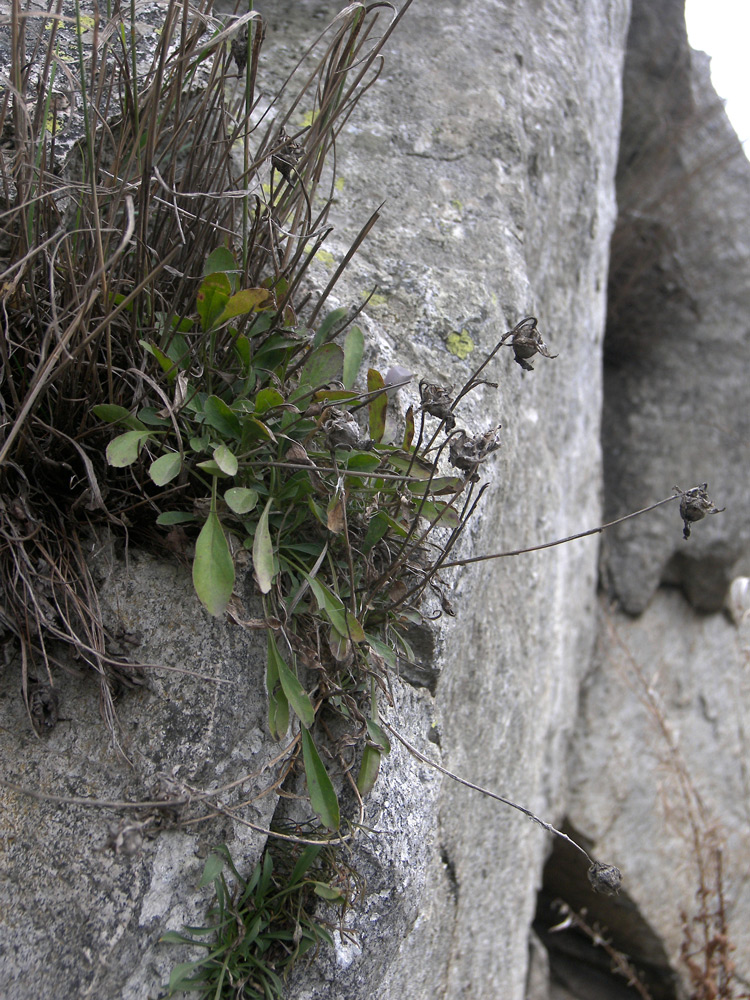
x=694 y=506
x=437 y=400
x=526 y=341
x=605 y=878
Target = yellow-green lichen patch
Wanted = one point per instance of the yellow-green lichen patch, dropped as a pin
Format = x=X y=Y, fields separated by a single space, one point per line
x=460 y=344
x=326 y=257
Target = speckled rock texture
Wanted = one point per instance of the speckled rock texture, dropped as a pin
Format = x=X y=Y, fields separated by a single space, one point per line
x=677 y=350
x=491 y=137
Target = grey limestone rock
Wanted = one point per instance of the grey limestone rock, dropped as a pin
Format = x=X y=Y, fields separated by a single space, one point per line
x=491 y=136
x=677 y=349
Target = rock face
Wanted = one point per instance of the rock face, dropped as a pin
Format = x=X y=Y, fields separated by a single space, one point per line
x=678 y=340
x=492 y=136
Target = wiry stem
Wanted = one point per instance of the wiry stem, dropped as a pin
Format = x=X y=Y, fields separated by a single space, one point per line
x=561 y=541
x=485 y=791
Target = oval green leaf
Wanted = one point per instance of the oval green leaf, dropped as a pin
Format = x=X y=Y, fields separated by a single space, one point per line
x=220 y=259
x=354 y=348
x=174 y=517
x=213 y=867
x=323 y=798
x=217 y=414
x=323 y=366
x=377 y=735
x=213 y=567
x=295 y=693
x=377 y=407
x=225 y=460
x=241 y=500
x=124 y=449
x=212 y=298
x=244 y=302
x=368 y=770
x=110 y=413
x=263 y=552
x=331 y=325
x=164 y=469
x=211 y=468
x=267 y=399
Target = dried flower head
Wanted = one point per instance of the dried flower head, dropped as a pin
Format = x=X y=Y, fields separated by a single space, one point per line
x=44 y=706
x=437 y=400
x=694 y=506
x=239 y=49
x=605 y=879
x=286 y=156
x=466 y=453
x=526 y=341
x=341 y=430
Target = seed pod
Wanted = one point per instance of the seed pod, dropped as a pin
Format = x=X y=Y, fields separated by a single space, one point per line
x=526 y=341
x=437 y=401
x=694 y=506
x=466 y=453
x=286 y=156
x=605 y=879
x=341 y=430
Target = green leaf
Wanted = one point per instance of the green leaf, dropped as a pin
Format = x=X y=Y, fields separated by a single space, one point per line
x=363 y=461
x=377 y=406
x=375 y=530
x=244 y=302
x=164 y=469
x=243 y=352
x=295 y=693
x=174 y=937
x=178 y=349
x=327 y=892
x=278 y=706
x=211 y=468
x=219 y=416
x=438 y=485
x=323 y=798
x=241 y=500
x=354 y=348
x=124 y=449
x=417 y=466
x=174 y=517
x=226 y=461
x=323 y=366
x=377 y=735
x=149 y=415
x=213 y=567
x=330 y=326
x=220 y=259
x=335 y=396
x=267 y=399
x=342 y=620
x=263 y=552
x=368 y=770
x=408 y=429
x=439 y=512
x=212 y=298
x=386 y=651
x=213 y=867
x=306 y=858
x=112 y=414
x=166 y=363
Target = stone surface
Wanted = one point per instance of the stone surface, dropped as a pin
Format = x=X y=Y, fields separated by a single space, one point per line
x=492 y=137
x=81 y=911
x=657 y=768
x=677 y=350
